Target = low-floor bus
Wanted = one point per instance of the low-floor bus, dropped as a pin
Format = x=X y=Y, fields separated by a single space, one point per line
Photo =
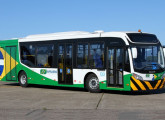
x=125 y=61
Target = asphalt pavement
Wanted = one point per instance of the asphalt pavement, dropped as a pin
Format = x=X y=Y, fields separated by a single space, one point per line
x=38 y=102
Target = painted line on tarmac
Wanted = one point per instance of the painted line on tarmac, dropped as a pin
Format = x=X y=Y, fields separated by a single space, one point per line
x=99 y=101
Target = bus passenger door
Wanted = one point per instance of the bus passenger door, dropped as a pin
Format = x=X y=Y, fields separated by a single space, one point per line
x=10 y=63
x=115 y=66
x=65 y=72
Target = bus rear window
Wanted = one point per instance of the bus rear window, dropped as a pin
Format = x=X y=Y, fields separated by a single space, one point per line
x=141 y=37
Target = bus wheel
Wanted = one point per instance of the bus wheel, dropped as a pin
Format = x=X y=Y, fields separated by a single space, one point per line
x=23 y=79
x=92 y=84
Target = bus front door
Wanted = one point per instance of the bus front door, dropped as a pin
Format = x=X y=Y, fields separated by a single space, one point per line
x=65 y=71
x=115 y=65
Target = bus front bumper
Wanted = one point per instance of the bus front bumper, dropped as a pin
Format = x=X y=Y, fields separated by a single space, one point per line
x=139 y=85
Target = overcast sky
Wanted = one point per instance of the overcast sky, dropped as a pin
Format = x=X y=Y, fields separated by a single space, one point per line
x=19 y=18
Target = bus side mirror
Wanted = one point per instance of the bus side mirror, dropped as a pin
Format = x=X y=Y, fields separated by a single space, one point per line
x=164 y=50
x=134 y=52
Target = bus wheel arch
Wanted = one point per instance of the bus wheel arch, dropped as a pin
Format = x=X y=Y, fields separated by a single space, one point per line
x=19 y=74
x=22 y=78
x=88 y=80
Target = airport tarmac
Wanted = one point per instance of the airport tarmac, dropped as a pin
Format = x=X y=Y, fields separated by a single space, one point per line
x=58 y=103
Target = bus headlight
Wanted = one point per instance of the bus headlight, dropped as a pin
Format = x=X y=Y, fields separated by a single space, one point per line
x=138 y=77
x=163 y=76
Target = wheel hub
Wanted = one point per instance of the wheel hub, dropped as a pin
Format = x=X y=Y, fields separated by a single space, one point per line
x=94 y=83
x=23 y=79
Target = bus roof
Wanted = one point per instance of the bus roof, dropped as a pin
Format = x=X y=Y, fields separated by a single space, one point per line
x=72 y=35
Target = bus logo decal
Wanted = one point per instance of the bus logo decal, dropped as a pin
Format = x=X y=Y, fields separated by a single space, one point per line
x=43 y=71
x=147 y=75
x=154 y=77
x=102 y=73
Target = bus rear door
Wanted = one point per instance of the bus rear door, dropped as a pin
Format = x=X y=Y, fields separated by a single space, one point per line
x=10 y=63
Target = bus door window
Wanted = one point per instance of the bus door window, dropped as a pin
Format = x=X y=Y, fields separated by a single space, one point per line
x=119 y=59
x=111 y=53
x=61 y=62
x=68 y=59
x=119 y=65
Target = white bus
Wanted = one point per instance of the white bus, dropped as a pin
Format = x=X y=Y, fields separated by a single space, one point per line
x=125 y=61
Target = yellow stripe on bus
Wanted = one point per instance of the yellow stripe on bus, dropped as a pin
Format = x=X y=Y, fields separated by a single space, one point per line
x=149 y=85
x=158 y=83
x=133 y=86
x=139 y=83
x=8 y=63
x=162 y=83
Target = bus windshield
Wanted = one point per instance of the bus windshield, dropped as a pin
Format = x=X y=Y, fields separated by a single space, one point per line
x=149 y=58
x=142 y=37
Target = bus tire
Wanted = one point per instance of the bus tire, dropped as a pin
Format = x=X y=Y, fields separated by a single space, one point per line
x=23 y=79
x=92 y=84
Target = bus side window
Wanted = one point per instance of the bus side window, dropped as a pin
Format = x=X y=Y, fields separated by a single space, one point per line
x=82 y=55
x=127 y=62
x=96 y=55
x=28 y=55
x=45 y=55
